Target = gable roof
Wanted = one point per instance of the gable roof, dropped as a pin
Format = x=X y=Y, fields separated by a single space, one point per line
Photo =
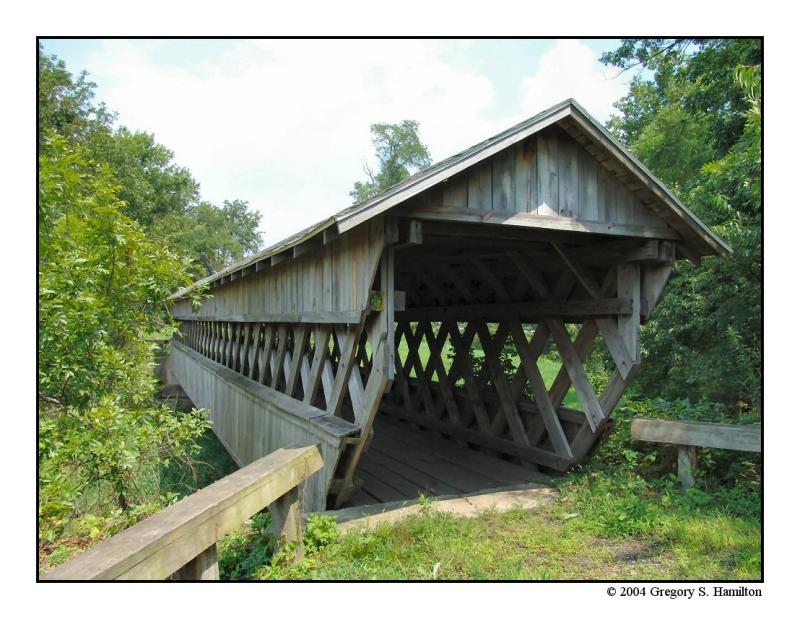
x=694 y=232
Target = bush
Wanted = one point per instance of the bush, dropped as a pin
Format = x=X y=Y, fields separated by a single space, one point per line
x=103 y=287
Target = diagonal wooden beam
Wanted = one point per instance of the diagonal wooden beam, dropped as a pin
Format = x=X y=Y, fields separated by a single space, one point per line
x=256 y=340
x=277 y=356
x=348 y=344
x=577 y=374
x=532 y=276
x=444 y=381
x=546 y=410
x=301 y=336
x=321 y=336
x=423 y=393
x=491 y=279
x=459 y=283
x=507 y=403
x=266 y=352
x=461 y=347
x=622 y=359
x=373 y=393
x=244 y=351
x=434 y=287
x=583 y=344
x=585 y=279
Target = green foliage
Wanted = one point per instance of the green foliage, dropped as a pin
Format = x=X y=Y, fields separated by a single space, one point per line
x=65 y=105
x=241 y=553
x=151 y=184
x=102 y=283
x=121 y=227
x=215 y=236
x=697 y=125
x=253 y=552
x=722 y=473
x=320 y=531
x=102 y=289
x=399 y=151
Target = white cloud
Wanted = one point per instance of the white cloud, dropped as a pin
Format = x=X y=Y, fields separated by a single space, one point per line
x=284 y=124
x=570 y=69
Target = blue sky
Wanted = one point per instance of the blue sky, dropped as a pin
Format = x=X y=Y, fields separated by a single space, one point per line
x=284 y=124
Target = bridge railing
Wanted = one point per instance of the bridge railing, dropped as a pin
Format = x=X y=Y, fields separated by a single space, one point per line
x=689 y=435
x=181 y=541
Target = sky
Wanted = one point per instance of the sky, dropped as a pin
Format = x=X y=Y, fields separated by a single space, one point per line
x=284 y=124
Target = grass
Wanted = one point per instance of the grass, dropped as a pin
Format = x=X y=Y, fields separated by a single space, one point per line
x=601 y=528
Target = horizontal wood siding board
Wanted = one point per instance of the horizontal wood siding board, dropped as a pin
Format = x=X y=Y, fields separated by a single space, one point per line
x=523 y=310
x=698 y=434
x=545 y=222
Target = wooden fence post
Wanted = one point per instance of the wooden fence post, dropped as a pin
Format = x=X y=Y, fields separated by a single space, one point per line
x=203 y=567
x=286 y=521
x=687 y=462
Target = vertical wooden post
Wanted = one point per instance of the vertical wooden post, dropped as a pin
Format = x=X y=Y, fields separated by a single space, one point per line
x=387 y=284
x=203 y=567
x=629 y=286
x=687 y=462
x=287 y=522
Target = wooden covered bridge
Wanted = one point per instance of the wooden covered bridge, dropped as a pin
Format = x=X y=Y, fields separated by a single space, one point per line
x=378 y=332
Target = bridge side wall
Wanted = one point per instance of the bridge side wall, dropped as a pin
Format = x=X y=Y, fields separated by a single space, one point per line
x=252 y=421
x=330 y=283
x=295 y=354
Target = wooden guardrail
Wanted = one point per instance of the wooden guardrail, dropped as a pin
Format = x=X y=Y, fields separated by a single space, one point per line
x=181 y=541
x=689 y=435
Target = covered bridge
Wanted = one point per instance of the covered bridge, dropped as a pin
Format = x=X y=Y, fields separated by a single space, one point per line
x=399 y=309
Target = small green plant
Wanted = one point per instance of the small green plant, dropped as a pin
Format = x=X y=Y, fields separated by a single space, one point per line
x=243 y=552
x=320 y=531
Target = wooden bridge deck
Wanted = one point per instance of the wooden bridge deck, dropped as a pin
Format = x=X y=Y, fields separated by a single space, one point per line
x=404 y=461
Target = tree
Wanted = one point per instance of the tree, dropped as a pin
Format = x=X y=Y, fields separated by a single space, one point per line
x=215 y=236
x=163 y=197
x=103 y=288
x=151 y=184
x=67 y=106
x=120 y=228
x=697 y=124
x=399 y=152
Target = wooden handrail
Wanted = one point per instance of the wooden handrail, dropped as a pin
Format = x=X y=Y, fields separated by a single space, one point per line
x=689 y=435
x=697 y=434
x=181 y=539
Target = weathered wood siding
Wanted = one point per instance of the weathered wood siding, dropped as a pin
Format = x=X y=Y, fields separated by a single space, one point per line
x=329 y=284
x=251 y=423
x=548 y=175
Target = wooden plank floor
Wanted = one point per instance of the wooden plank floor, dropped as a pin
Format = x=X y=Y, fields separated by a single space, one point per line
x=404 y=461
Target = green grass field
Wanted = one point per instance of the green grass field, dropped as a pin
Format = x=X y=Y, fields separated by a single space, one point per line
x=601 y=528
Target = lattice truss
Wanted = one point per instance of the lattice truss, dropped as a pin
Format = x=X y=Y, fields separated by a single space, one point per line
x=447 y=358
x=468 y=316
x=325 y=366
